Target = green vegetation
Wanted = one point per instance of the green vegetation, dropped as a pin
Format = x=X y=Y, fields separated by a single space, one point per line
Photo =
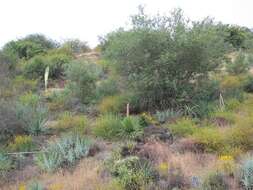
x=215 y=181
x=21 y=144
x=183 y=127
x=247 y=173
x=64 y=151
x=6 y=164
x=174 y=95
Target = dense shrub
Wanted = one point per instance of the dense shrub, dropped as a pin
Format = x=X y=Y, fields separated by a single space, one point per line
x=25 y=48
x=82 y=76
x=107 y=87
x=162 y=59
x=35 y=67
x=113 y=104
x=63 y=152
x=215 y=181
x=183 y=127
x=247 y=174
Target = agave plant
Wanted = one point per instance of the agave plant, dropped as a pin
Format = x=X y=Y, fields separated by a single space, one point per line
x=5 y=164
x=131 y=128
x=66 y=150
x=33 y=118
x=247 y=174
x=163 y=116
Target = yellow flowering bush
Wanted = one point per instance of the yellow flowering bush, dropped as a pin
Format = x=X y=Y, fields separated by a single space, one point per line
x=22 y=143
x=22 y=187
x=56 y=186
x=163 y=169
x=147 y=119
x=226 y=164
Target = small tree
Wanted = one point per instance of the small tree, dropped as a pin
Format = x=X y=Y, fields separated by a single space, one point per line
x=163 y=58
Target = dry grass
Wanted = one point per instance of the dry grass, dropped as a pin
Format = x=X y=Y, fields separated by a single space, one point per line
x=87 y=175
x=192 y=164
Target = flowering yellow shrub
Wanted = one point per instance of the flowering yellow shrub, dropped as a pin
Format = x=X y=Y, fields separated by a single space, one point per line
x=163 y=169
x=56 y=186
x=22 y=187
x=22 y=143
x=147 y=119
x=226 y=164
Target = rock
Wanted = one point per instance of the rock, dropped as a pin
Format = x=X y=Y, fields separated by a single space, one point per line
x=157 y=133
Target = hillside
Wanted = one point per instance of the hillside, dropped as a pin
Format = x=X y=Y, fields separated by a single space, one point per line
x=164 y=105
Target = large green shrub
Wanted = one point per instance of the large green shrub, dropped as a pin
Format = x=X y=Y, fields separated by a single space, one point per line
x=35 y=67
x=82 y=77
x=26 y=48
x=164 y=58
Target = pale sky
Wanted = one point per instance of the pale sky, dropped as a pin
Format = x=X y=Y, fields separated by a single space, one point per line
x=88 y=19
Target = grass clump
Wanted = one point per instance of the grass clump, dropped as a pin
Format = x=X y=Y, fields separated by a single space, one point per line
x=209 y=139
x=112 y=104
x=183 y=127
x=76 y=123
x=63 y=152
x=113 y=127
x=22 y=143
x=108 y=126
x=215 y=181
